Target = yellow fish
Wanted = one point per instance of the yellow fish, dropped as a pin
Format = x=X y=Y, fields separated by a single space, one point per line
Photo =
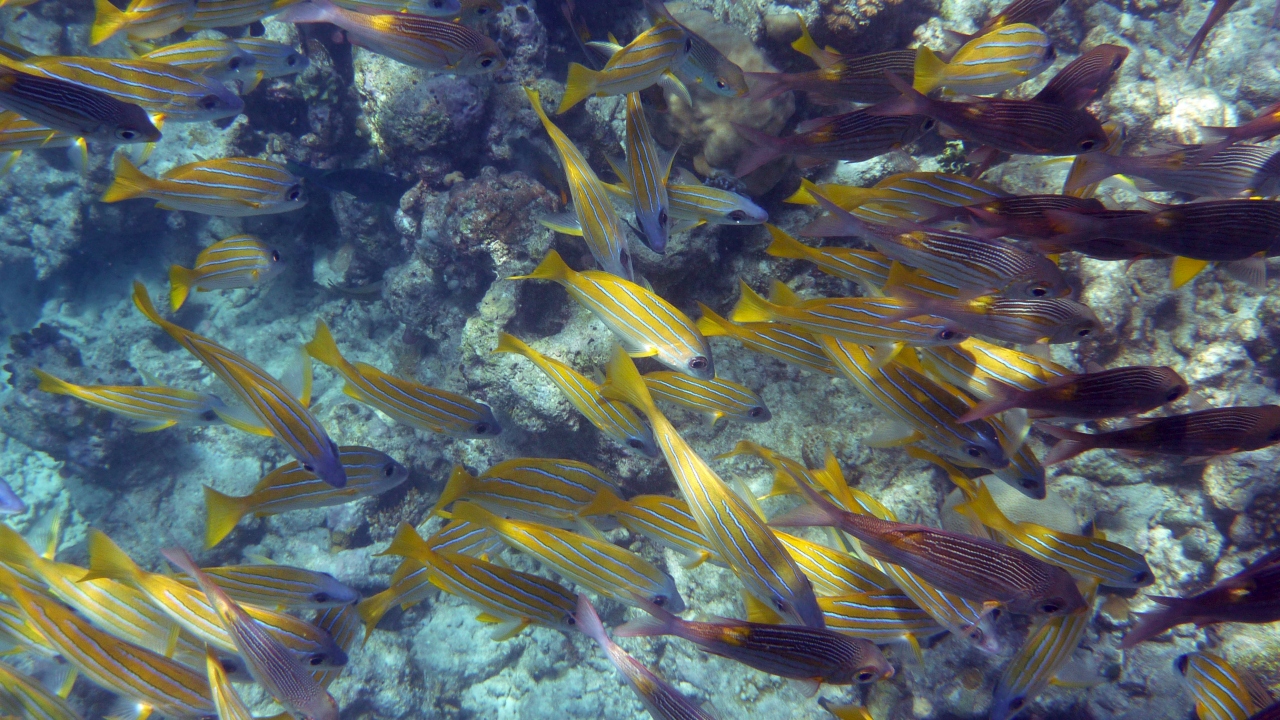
x=732 y=528
x=973 y=363
x=988 y=64
x=153 y=406
x=538 y=489
x=18 y=134
x=238 y=261
x=668 y=522
x=142 y=20
x=881 y=616
x=33 y=698
x=715 y=398
x=647 y=325
x=231 y=13
x=225 y=697
x=647 y=172
x=180 y=95
x=226 y=187
x=639 y=64
x=617 y=420
x=1221 y=692
x=278 y=586
x=405 y=401
x=218 y=59
x=776 y=340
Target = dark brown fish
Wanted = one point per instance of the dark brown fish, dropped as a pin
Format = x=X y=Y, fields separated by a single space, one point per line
x=1117 y=392
x=1270 y=712
x=1015 y=126
x=1250 y=596
x=1220 y=8
x=1084 y=79
x=971 y=567
x=853 y=136
x=1203 y=434
x=1216 y=230
x=850 y=78
x=1192 y=169
x=1021 y=217
x=1264 y=126
x=799 y=652
x=60 y=105
x=1034 y=12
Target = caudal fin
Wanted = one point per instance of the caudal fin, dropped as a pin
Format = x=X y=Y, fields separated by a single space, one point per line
x=785 y=246
x=1003 y=397
x=1071 y=443
x=625 y=384
x=1153 y=623
x=588 y=621
x=552 y=268
x=180 y=281
x=751 y=306
x=910 y=103
x=1088 y=169
x=765 y=148
x=129 y=182
x=323 y=347
x=818 y=512
x=51 y=384
x=659 y=622
x=107 y=560
x=460 y=483
x=767 y=85
x=508 y=343
x=408 y=543
x=930 y=71
x=222 y=514
x=580 y=85
x=108 y=20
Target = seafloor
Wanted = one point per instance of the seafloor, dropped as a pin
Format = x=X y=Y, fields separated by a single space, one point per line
x=441 y=256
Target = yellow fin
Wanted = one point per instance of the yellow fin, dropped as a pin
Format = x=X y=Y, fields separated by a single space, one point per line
x=1184 y=270
x=759 y=612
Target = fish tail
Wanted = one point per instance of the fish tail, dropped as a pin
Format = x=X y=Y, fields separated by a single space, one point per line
x=1152 y=624
x=766 y=86
x=460 y=483
x=180 y=281
x=372 y=609
x=912 y=102
x=781 y=294
x=473 y=513
x=129 y=182
x=508 y=343
x=51 y=384
x=222 y=514
x=845 y=712
x=837 y=221
x=929 y=71
x=765 y=148
x=107 y=21
x=580 y=85
x=818 y=512
x=307 y=12
x=408 y=543
x=551 y=268
x=1004 y=397
x=785 y=246
x=983 y=508
x=751 y=307
x=14 y=549
x=107 y=560
x=623 y=383
x=1088 y=169
x=659 y=622
x=711 y=324
x=604 y=503
x=588 y=621
x=323 y=347
x=1071 y=444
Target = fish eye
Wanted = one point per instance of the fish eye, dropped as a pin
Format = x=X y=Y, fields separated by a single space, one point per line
x=1038 y=291
x=1176 y=393
x=291 y=60
x=721 y=84
x=208 y=416
x=480 y=428
x=389 y=469
x=230 y=667
x=1084 y=332
x=1141 y=576
x=1017 y=703
x=209 y=102
x=320 y=597
x=1029 y=483
x=974 y=451
x=1088 y=145
x=315 y=659
x=658 y=600
x=737 y=216
x=780 y=604
x=125 y=134
x=1180 y=663
x=1050 y=607
x=698 y=363
x=946 y=334
x=755 y=412
x=234 y=63
x=486 y=62
x=635 y=444
x=1274 y=436
x=866 y=676
x=1049 y=54
x=571 y=620
x=662 y=218
x=929 y=123
x=295 y=193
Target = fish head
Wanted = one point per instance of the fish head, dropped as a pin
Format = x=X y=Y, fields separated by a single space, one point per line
x=1171 y=387
x=1089 y=137
x=10 y=503
x=1026 y=477
x=867 y=666
x=1058 y=595
x=240 y=65
x=669 y=598
x=391 y=473
x=644 y=444
x=747 y=213
x=133 y=126
x=327 y=466
x=331 y=592
x=294 y=62
x=485 y=426
x=220 y=102
x=758 y=414
x=983 y=448
x=1080 y=324
x=700 y=364
x=1269 y=423
x=320 y=706
x=485 y=59
x=273 y=265
x=1007 y=704
x=329 y=654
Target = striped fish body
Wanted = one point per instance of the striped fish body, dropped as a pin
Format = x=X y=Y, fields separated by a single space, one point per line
x=141 y=20
x=226 y=187
x=1084 y=79
x=668 y=522
x=270 y=401
x=1239 y=228
x=867 y=268
x=731 y=527
x=1221 y=692
x=179 y=94
x=715 y=397
x=1227 y=173
x=238 y=261
x=617 y=420
x=596 y=216
x=229 y=13
x=219 y=59
x=1018 y=320
x=791 y=651
x=280 y=586
x=708 y=68
x=833 y=572
x=225 y=698
x=1031 y=12
x=465 y=538
x=432 y=8
x=931 y=408
x=1044 y=653
x=989 y=63
x=704 y=204
x=647 y=325
x=118 y=666
x=1022 y=217
x=601 y=566
x=1024 y=473
x=343 y=624
x=418 y=40
x=72 y=108
x=853 y=136
x=1118 y=392
x=789 y=472
x=647 y=176
x=776 y=340
x=272 y=665
x=18 y=133
x=155 y=407
x=973 y=364
x=881 y=616
x=273 y=59
x=290 y=487
x=16 y=630
x=410 y=585
x=638 y=65
x=33 y=698
x=973 y=263
x=859 y=320
x=1199 y=434
x=560 y=492
x=850 y=78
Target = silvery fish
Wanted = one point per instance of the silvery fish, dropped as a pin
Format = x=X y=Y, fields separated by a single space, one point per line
x=226 y=187
x=219 y=59
x=272 y=59
x=238 y=261
x=274 y=586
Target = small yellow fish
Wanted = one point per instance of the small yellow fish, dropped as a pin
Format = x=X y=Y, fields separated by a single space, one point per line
x=276 y=586
x=226 y=187
x=271 y=59
x=238 y=261
x=776 y=340
x=405 y=401
x=647 y=172
x=868 y=268
x=410 y=585
x=617 y=420
x=599 y=565
x=988 y=64
x=432 y=44
x=833 y=572
x=142 y=20
x=231 y=13
x=668 y=522
x=647 y=325
x=154 y=407
x=1221 y=692
x=973 y=363
x=694 y=204
x=716 y=397
x=543 y=490
x=290 y=487
x=18 y=134
x=881 y=616
x=32 y=697
x=219 y=59
x=282 y=414
x=73 y=109
x=635 y=67
x=914 y=196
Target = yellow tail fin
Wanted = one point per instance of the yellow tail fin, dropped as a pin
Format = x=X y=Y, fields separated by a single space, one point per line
x=107 y=21
x=409 y=544
x=14 y=549
x=460 y=483
x=473 y=513
x=751 y=307
x=129 y=182
x=372 y=608
x=929 y=71
x=580 y=85
x=712 y=325
x=142 y=300
x=552 y=268
x=781 y=294
x=508 y=343
x=222 y=514
x=623 y=382
x=323 y=347
x=51 y=384
x=785 y=246
x=107 y=560
x=180 y=281
x=604 y=503
x=983 y=508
